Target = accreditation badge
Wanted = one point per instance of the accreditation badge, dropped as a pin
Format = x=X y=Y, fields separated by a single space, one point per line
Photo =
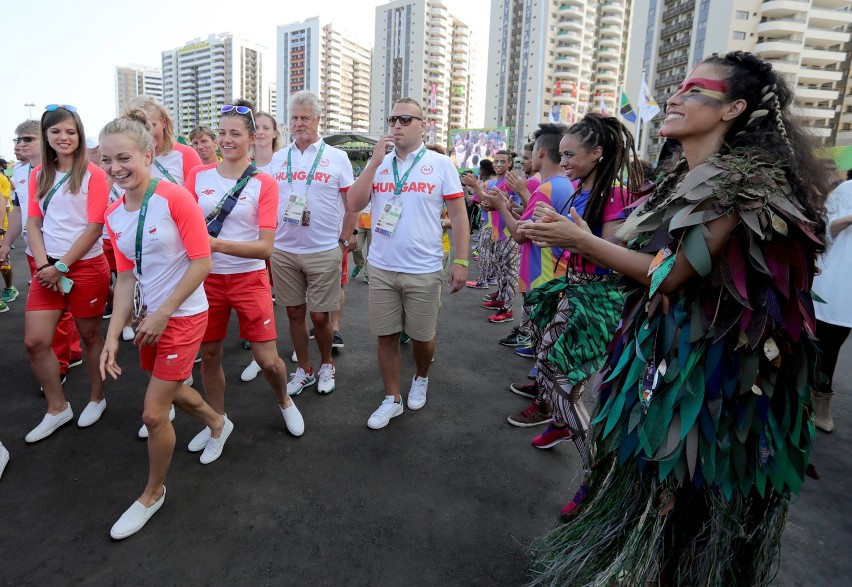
x=295 y=211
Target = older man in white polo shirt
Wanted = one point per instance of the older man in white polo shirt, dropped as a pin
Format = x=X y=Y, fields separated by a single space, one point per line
x=408 y=188
x=313 y=234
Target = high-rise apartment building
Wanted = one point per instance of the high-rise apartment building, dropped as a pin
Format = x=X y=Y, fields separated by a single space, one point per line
x=205 y=74
x=807 y=42
x=325 y=61
x=136 y=80
x=422 y=52
x=554 y=60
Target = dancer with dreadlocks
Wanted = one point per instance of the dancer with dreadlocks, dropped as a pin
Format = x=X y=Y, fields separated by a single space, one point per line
x=578 y=312
x=702 y=431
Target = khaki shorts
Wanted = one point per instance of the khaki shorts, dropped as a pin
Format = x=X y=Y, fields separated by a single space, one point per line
x=406 y=300
x=313 y=278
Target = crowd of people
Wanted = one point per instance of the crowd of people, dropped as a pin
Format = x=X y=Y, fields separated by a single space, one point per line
x=679 y=297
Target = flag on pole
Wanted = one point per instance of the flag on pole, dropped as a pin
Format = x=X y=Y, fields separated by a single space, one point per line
x=604 y=110
x=627 y=109
x=647 y=106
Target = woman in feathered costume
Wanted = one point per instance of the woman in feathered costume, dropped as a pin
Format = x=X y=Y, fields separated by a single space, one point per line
x=703 y=429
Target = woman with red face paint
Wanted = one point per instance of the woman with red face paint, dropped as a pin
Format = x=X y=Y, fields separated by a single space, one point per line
x=702 y=430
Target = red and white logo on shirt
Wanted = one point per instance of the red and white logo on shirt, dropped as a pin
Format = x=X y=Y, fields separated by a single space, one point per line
x=208 y=192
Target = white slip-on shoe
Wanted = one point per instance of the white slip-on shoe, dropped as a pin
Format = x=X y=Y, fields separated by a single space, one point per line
x=250 y=372
x=326 y=379
x=293 y=419
x=294 y=358
x=143 y=432
x=91 y=413
x=214 y=447
x=127 y=334
x=417 y=394
x=198 y=443
x=135 y=518
x=4 y=458
x=389 y=409
x=49 y=424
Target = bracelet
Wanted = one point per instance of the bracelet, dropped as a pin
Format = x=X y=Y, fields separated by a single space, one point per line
x=462 y=262
x=43 y=266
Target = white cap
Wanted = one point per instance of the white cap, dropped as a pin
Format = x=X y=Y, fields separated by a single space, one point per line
x=91 y=143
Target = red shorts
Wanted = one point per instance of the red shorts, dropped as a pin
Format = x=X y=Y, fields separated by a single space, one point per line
x=110 y=255
x=247 y=293
x=87 y=297
x=171 y=359
x=344 y=268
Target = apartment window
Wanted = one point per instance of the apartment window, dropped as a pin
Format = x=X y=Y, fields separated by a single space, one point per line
x=739 y=36
x=741 y=15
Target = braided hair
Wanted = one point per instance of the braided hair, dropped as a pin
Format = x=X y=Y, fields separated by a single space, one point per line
x=619 y=156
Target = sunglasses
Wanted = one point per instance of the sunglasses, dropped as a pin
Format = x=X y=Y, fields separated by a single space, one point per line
x=404 y=120
x=52 y=107
x=24 y=140
x=239 y=110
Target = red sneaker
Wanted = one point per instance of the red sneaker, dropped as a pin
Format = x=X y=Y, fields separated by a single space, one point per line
x=571 y=509
x=551 y=437
x=490 y=297
x=493 y=305
x=501 y=316
x=476 y=284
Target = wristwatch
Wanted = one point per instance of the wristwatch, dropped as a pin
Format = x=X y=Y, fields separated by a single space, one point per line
x=61 y=267
x=343 y=242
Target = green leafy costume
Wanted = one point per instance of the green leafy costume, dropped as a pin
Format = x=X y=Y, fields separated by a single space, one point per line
x=702 y=430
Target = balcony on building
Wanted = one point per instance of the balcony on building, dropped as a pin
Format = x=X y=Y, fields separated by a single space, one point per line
x=822 y=57
x=570 y=25
x=678 y=9
x=778 y=47
x=812 y=75
x=774 y=27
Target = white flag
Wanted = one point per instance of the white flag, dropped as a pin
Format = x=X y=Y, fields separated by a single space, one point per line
x=647 y=106
x=604 y=110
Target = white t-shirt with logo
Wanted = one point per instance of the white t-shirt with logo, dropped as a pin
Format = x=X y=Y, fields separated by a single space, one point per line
x=174 y=233
x=256 y=209
x=332 y=176
x=68 y=215
x=415 y=245
x=21 y=196
x=834 y=281
x=178 y=162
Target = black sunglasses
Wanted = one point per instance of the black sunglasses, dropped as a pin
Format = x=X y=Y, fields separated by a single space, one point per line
x=404 y=120
x=24 y=140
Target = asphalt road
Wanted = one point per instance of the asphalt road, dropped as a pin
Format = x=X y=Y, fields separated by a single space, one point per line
x=449 y=495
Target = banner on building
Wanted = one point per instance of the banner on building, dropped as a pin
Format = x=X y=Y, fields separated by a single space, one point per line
x=433 y=98
x=433 y=129
x=469 y=146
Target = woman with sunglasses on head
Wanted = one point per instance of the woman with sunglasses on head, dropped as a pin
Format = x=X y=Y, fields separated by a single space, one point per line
x=67 y=200
x=173 y=160
x=240 y=204
x=162 y=255
x=703 y=429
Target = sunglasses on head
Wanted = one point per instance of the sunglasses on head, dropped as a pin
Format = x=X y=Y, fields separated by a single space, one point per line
x=404 y=120
x=239 y=110
x=24 y=140
x=52 y=107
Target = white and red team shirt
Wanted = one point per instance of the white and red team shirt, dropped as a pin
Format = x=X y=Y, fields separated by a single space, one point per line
x=115 y=193
x=332 y=176
x=415 y=245
x=256 y=209
x=21 y=196
x=174 y=233
x=178 y=162
x=69 y=214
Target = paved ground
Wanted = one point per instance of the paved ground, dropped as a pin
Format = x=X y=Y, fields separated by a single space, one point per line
x=450 y=495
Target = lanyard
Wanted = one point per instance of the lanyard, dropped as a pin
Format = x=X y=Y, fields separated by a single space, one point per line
x=400 y=183
x=115 y=193
x=140 y=226
x=53 y=190
x=165 y=172
x=313 y=167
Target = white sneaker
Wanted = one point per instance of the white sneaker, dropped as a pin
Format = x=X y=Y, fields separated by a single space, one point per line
x=135 y=518
x=294 y=358
x=198 y=443
x=293 y=420
x=417 y=394
x=91 y=413
x=143 y=432
x=214 y=447
x=49 y=424
x=127 y=334
x=389 y=409
x=4 y=458
x=326 y=379
x=299 y=380
x=250 y=372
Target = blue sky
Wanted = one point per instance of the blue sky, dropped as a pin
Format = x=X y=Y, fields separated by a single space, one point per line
x=66 y=52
